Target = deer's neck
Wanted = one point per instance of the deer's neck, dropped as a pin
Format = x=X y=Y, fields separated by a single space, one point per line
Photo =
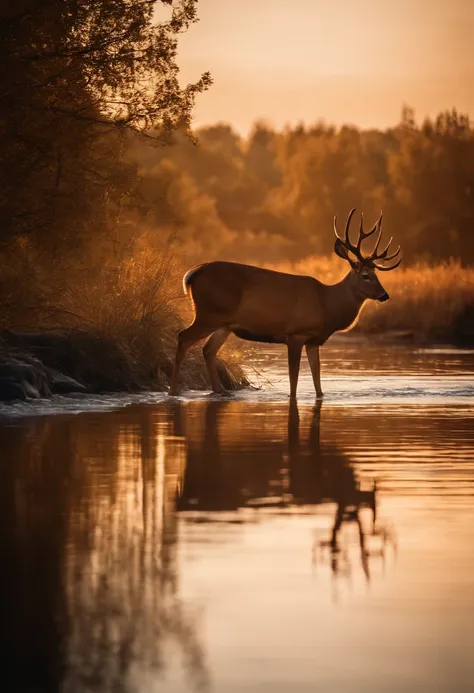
x=342 y=305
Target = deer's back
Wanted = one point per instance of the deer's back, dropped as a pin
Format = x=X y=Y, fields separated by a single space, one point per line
x=254 y=299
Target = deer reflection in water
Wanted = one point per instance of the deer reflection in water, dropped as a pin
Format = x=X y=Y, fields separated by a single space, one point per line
x=338 y=483
x=350 y=505
x=225 y=472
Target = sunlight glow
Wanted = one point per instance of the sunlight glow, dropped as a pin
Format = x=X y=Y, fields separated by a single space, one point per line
x=346 y=61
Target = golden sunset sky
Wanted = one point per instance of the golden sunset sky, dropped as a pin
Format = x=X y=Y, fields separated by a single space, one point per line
x=344 y=61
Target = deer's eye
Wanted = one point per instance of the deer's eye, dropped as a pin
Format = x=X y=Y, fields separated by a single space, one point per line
x=366 y=277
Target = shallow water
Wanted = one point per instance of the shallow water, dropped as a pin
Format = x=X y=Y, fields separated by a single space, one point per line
x=243 y=544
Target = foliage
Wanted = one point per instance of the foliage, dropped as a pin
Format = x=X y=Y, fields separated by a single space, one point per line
x=76 y=77
x=273 y=194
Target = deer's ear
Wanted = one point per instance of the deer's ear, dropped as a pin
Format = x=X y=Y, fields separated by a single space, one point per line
x=341 y=250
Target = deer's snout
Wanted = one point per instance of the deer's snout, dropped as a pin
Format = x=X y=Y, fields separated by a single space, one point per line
x=383 y=297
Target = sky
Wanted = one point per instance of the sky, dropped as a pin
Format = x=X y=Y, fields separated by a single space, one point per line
x=342 y=61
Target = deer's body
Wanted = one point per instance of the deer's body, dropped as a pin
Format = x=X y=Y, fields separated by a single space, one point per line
x=266 y=306
x=262 y=305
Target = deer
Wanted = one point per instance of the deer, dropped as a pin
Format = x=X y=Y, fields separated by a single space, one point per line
x=263 y=305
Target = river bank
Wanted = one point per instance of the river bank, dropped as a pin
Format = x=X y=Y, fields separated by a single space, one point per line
x=35 y=365
x=38 y=365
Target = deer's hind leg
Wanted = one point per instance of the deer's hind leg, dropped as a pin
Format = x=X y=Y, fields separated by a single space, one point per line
x=186 y=339
x=211 y=347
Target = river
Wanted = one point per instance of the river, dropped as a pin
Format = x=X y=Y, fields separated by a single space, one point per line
x=244 y=544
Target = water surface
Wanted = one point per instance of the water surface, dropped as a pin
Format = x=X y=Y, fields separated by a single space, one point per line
x=244 y=544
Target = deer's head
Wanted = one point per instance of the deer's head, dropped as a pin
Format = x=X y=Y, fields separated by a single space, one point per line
x=363 y=278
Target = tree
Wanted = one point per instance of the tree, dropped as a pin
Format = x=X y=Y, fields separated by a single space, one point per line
x=432 y=178
x=77 y=76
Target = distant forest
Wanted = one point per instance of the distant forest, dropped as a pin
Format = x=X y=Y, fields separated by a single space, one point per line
x=273 y=194
x=97 y=148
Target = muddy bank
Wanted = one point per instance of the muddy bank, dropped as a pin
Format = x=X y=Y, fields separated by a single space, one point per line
x=37 y=365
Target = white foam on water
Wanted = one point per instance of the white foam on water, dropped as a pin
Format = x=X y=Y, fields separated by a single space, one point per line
x=77 y=404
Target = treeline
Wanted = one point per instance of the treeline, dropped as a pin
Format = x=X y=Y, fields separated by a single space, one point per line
x=90 y=93
x=273 y=194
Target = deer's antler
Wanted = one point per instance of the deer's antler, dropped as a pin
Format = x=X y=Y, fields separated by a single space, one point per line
x=375 y=256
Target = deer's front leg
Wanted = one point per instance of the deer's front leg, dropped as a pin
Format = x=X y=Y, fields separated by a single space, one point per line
x=312 y=352
x=295 y=347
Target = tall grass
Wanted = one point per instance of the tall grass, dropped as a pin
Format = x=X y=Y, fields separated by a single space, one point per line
x=129 y=301
x=432 y=303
